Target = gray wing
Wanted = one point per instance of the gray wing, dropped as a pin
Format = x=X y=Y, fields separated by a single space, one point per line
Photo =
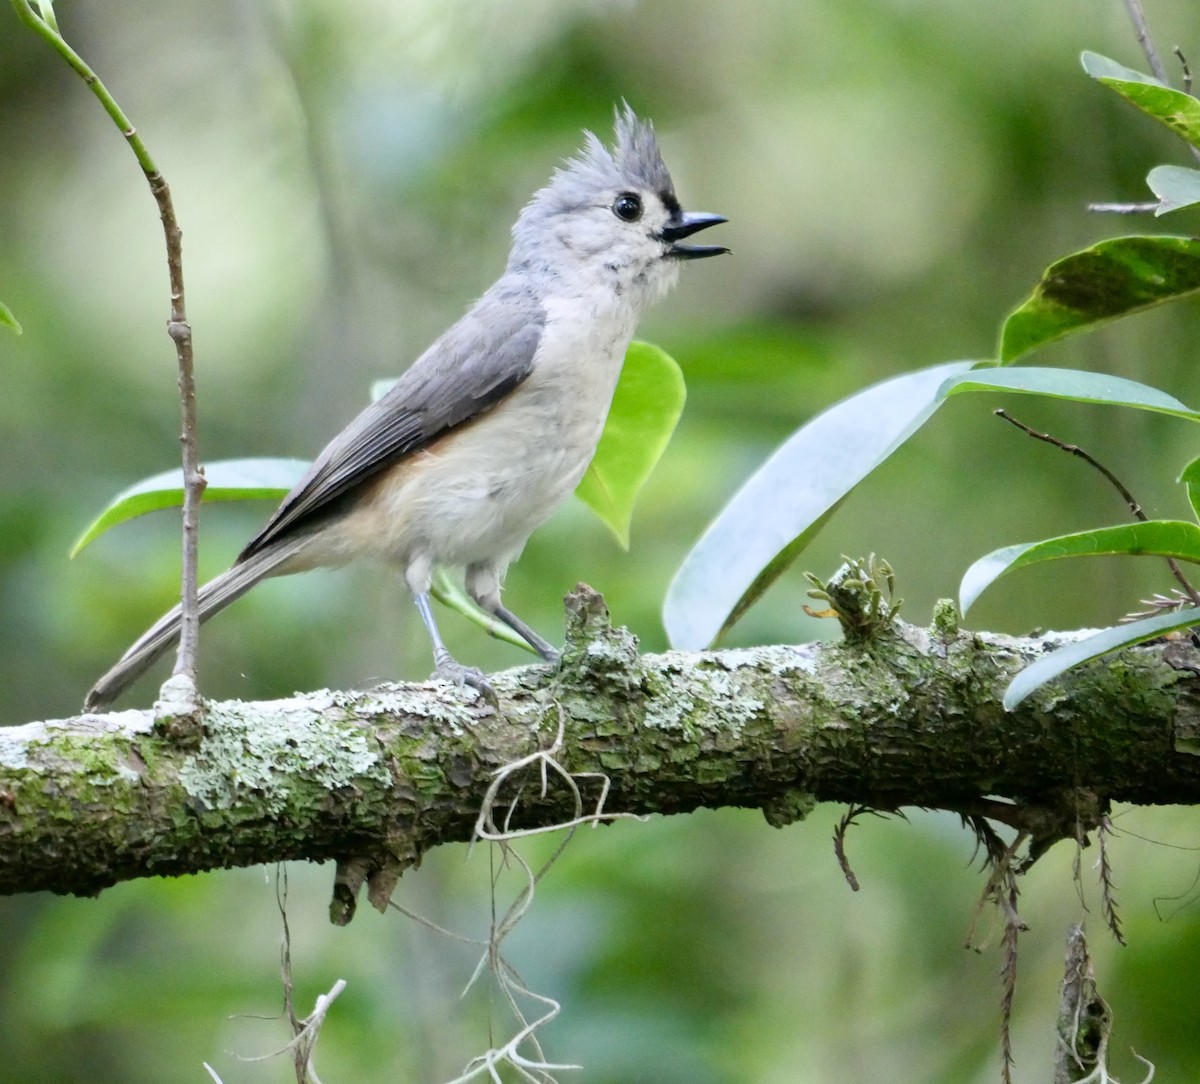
x=471 y=368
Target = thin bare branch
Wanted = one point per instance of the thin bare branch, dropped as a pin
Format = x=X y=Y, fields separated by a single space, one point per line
x=1138 y=17
x=1135 y=509
x=177 y=327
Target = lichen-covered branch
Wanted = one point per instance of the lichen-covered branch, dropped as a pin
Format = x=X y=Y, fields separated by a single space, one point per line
x=908 y=717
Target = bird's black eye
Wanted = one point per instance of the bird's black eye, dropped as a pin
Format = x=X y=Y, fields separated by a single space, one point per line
x=628 y=207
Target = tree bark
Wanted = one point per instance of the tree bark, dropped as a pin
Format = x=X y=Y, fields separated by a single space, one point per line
x=904 y=716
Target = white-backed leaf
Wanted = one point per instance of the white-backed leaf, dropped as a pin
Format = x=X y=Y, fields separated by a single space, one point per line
x=796 y=488
x=1077 y=384
x=1175 y=186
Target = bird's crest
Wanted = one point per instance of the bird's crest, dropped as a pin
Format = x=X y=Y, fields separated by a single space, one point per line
x=633 y=162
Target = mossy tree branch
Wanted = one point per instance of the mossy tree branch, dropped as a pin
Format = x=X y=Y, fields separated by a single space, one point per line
x=910 y=717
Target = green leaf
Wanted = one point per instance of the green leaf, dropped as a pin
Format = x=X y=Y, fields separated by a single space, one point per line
x=1077 y=384
x=645 y=408
x=781 y=506
x=228 y=480
x=1157 y=538
x=8 y=320
x=1101 y=643
x=1175 y=187
x=1114 y=278
x=1178 y=111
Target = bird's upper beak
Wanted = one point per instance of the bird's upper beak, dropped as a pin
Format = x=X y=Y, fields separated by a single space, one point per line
x=683 y=224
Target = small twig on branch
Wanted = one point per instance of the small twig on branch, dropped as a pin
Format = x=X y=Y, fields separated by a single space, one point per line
x=46 y=27
x=1124 y=208
x=1186 y=69
x=1135 y=509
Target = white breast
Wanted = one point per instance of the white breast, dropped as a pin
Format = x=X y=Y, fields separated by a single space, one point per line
x=477 y=494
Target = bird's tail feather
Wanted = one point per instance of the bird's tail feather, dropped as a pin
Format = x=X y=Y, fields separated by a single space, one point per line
x=164 y=633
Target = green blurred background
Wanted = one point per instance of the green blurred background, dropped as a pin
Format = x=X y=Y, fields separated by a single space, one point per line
x=896 y=175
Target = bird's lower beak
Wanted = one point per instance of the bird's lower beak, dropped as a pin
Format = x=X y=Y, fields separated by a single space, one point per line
x=684 y=225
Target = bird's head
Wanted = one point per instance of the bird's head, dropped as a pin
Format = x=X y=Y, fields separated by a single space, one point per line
x=611 y=218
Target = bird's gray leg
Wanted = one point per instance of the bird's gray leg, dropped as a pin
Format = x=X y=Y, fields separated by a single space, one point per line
x=446 y=667
x=546 y=650
x=483 y=585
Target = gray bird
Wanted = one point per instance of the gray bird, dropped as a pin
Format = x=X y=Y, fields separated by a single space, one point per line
x=495 y=424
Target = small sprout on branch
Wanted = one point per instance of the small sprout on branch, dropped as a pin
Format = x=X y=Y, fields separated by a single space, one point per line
x=855 y=596
x=839 y=844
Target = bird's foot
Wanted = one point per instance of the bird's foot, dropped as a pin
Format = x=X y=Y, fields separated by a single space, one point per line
x=450 y=669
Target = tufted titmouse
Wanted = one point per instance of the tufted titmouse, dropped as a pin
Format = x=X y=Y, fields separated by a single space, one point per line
x=494 y=425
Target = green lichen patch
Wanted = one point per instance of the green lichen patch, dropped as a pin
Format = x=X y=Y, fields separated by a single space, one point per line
x=945 y=619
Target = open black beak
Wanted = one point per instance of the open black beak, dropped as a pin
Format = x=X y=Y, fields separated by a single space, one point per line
x=683 y=225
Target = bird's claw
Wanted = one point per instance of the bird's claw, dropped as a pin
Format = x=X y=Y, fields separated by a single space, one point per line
x=451 y=670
